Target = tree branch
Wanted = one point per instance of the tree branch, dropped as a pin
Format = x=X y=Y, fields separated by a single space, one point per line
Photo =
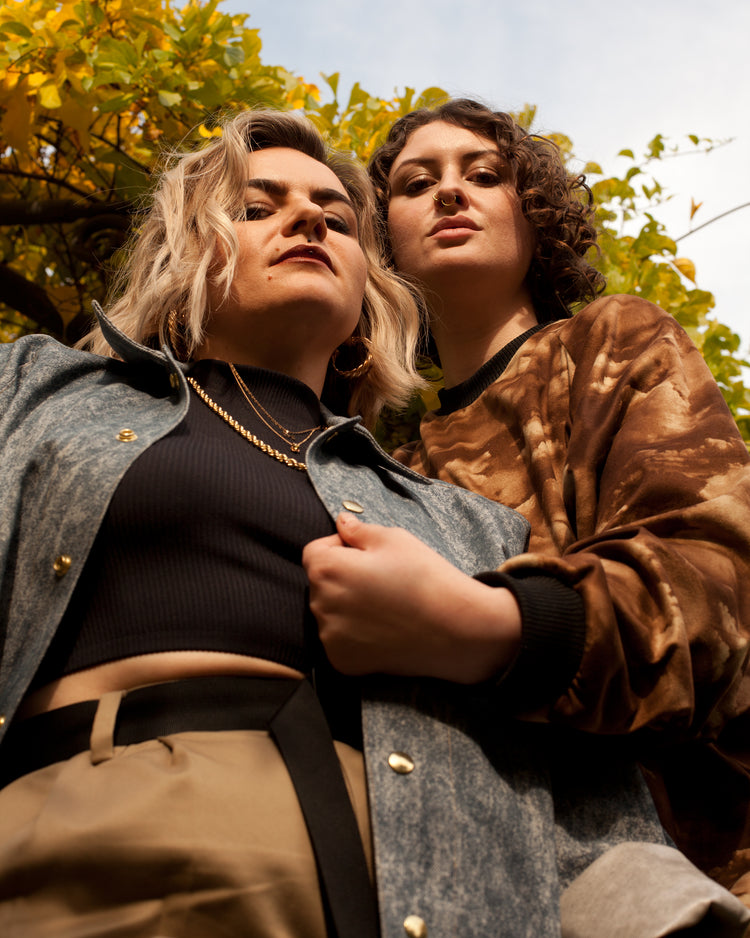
x=55 y=211
x=141 y=167
x=30 y=299
x=50 y=180
x=712 y=220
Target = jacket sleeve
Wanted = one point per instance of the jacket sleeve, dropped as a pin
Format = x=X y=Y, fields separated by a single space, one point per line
x=656 y=487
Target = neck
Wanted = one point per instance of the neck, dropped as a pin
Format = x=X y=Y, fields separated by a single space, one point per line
x=469 y=329
x=311 y=371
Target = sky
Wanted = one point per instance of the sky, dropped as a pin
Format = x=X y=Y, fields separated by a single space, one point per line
x=608 y=75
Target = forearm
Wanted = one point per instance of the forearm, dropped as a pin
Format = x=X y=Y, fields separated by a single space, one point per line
x=641 y=507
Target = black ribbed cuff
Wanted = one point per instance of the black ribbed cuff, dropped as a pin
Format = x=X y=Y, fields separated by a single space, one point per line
x=553 y=633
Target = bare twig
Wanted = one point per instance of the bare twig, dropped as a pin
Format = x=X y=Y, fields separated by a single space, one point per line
x=712 y=220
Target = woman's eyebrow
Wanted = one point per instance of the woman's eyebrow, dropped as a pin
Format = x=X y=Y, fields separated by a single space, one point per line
x=271 y=186
x=321 y=196
x=434 y=160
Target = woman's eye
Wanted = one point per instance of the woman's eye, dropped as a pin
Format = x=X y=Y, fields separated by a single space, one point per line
x=338 y=224
x=486 y=177
x=256 y=212
x=418 y=184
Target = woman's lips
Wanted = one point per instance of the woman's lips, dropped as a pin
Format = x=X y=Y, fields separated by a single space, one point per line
x=453 y=226
x=311 y=253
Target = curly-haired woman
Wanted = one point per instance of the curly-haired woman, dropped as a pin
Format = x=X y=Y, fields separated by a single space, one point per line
x=627 y=621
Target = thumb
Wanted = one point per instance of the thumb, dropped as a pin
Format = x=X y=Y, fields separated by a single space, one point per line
x=352 y=531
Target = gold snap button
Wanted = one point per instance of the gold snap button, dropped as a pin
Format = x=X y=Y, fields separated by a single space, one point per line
x=62 y=565
x=352 y=506
x=415 y=927
x=126 y=435
x=401 y=763
x=2 y=720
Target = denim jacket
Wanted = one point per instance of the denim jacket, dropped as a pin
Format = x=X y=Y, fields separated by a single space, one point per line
x=479 y=821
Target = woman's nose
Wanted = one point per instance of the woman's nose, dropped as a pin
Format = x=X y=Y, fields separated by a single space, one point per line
x=451 y=192
x=308 y=218
x=445 y=198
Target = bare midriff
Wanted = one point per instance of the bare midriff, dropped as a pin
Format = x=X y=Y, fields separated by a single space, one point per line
x=139 y=670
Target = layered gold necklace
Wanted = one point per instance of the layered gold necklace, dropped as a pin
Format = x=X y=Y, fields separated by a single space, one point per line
x=251 y=437
x=283 y=433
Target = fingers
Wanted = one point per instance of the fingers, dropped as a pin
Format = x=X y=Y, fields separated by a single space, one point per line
x=323 y=543
x=357 y=533
x=347 y=526
x=351 y=532
x=387 y=603
x=332 y=567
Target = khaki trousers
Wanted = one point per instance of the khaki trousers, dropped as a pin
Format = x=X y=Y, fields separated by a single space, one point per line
x=196 y=835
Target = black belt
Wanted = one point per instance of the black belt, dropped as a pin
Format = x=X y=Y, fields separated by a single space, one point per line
x=291 y=713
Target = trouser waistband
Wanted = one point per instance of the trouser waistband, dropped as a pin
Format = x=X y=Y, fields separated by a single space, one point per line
x=288 y=709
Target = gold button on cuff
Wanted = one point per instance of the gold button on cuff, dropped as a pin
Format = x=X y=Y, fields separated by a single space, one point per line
x=401 y=763
x=352 y=506
x=62 y=565
x=2 y=720
x=415 y=927
x=126 y=435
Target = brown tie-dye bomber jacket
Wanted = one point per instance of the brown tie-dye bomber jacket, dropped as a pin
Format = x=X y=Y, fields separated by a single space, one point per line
x=609 y=434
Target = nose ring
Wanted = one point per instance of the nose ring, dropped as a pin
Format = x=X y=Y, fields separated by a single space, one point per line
x=441 y=200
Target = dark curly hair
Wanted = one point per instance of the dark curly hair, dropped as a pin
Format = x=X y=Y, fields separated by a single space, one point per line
x=558 y=204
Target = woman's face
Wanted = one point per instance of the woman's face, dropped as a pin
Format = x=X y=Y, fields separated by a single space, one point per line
x=301 y=272
x=481 y=232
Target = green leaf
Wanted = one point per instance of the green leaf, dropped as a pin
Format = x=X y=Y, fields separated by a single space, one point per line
x=357 y=97
x=233 y=56
x=332 y=81
x=432 y=97
x=656 y=147
x=173 y=32
x=17 y=29
x=169 y=98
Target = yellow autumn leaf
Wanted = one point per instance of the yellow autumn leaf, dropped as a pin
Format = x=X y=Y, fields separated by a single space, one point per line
x=694 y=206
x=77 y=74
x=36 y=79
x=9 y=80
x=65 y=12
x=430 y=398
x=686 y=267
x=49 y=97
x=67 y=301
x=78 y=119
x=203 y=131
x=16 y=124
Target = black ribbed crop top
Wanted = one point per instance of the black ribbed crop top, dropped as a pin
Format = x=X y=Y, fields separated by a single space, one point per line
x=201 y=546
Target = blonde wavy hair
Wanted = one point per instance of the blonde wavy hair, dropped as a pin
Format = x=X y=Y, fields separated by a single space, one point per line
x=189 y=222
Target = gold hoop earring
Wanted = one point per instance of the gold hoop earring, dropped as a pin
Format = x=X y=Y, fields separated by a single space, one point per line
x=359 y=370
x=176 y=330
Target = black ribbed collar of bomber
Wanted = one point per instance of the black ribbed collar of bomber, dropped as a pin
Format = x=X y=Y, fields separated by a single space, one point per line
x=461 y=395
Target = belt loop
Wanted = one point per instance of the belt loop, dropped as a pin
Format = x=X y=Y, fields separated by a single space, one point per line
x=102 y=742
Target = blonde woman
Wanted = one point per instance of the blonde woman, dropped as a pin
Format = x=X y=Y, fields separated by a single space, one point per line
x=167 y=767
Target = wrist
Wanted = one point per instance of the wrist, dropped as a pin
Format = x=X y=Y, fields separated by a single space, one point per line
x=488 y=633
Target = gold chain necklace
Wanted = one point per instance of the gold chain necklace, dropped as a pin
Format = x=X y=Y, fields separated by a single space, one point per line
x=286 y=434
x=250 y=437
